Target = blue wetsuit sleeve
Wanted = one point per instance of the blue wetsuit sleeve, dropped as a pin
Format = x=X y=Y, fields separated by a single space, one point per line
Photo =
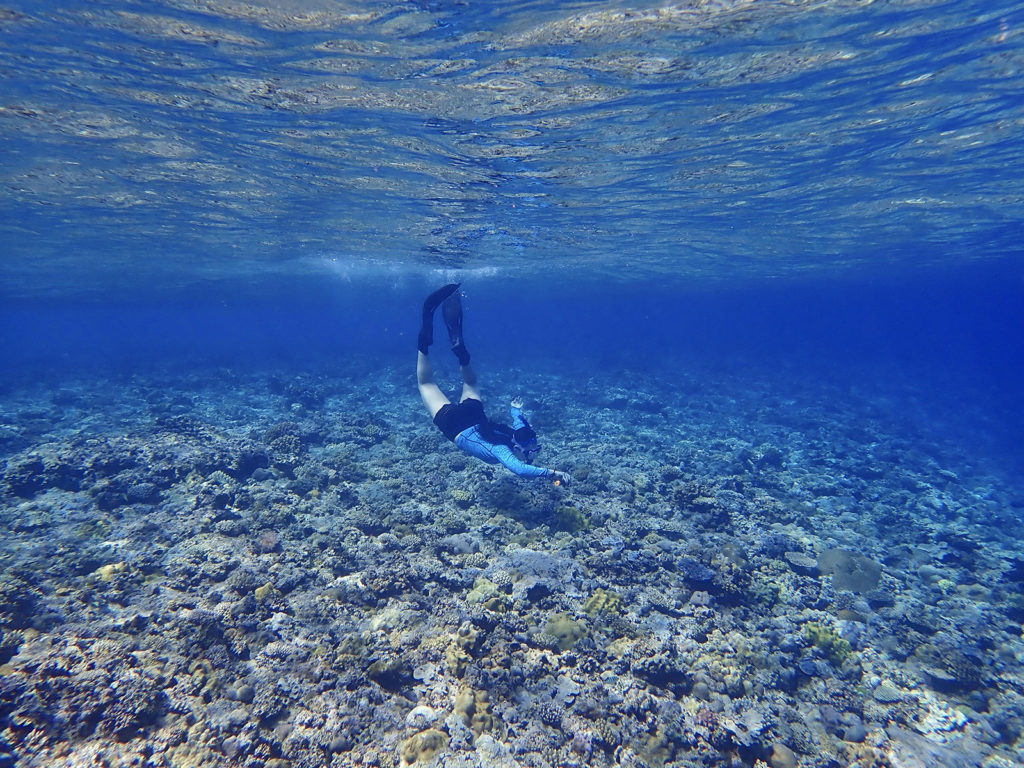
x=518 y=420
x=472 y=443
x=504 y=454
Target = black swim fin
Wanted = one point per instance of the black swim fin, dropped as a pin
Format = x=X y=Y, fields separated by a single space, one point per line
x=452 y=312
x=434 y=300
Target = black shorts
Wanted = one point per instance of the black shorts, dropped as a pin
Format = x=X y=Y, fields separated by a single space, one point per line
x=456 y=417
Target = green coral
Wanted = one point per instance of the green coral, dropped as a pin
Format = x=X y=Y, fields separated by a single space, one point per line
x=836 y=649
x=603 y=601
x=391 y=674
x=510 y=501
x=764 y=590
x=96 y=529
x=462 y=497
x=350 y=645
x=497 y=604
x=111 y=571
x=486 y=593
x=566 y=630
x=571 y=520
x=204 y=677
x=457 y=659
x=266 y=592
x=483 y=588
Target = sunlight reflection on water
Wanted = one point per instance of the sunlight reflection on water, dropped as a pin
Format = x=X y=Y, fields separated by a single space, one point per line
x=704 y=139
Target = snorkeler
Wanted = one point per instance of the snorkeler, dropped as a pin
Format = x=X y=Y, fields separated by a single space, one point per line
x=465 y=423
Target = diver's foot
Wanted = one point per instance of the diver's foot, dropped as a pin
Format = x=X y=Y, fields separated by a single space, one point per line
x=452 y=312
x=433 y=301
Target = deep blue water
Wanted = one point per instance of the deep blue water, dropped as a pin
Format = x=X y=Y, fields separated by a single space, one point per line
x=951 y=337
x=965 y=321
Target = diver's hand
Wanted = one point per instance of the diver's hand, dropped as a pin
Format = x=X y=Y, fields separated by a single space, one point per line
x=561 y=478
x=517 y=402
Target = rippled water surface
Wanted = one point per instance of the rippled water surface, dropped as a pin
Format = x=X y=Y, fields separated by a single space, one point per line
x=183 y=142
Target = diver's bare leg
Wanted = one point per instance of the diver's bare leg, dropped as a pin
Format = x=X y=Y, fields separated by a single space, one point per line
x=431 y=394
x=469 y=389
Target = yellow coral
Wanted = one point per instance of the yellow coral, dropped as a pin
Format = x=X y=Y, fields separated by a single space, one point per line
x=486 y=593
x=619 y=648
x=462 y=497
x=457 y=659
x=474 y=708
x=265 y=592
x=423 y=746
x=460 y=651
x=110 y=571
x=190 y=756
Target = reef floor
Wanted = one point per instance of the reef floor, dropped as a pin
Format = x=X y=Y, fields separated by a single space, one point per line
x=256 y=568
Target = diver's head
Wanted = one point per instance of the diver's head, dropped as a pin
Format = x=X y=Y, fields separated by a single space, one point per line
x=525 y=444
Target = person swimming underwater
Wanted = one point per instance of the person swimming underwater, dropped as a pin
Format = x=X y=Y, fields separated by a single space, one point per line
x=465 y=423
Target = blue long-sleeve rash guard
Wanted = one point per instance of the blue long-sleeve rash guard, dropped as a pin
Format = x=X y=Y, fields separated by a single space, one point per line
x=518 y=420
x=472 y=442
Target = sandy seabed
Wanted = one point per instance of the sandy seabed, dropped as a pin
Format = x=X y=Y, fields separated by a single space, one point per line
x=222 y=567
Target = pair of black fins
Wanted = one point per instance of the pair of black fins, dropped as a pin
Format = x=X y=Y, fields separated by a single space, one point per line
x=449 y=300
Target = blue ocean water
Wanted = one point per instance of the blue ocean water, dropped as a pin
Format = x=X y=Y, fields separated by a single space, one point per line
x=755 y=268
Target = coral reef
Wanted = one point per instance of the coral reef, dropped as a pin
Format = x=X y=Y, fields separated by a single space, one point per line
x=295 y=574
